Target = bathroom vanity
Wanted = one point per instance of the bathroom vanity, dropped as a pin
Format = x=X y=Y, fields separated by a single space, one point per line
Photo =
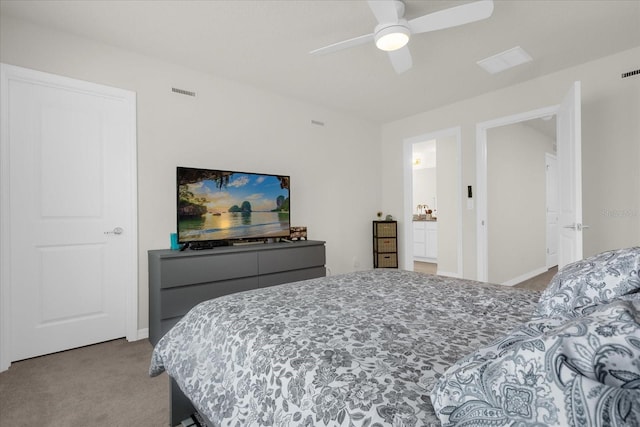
x=425 y=240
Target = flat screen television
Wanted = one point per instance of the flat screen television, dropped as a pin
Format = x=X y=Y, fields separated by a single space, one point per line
x=226 y=206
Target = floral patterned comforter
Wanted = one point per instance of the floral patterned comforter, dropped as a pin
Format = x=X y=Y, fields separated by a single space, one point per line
x=359 y=349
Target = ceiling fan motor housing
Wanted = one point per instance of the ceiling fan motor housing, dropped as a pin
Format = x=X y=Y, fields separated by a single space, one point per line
x=399 y=7
x=393 y=36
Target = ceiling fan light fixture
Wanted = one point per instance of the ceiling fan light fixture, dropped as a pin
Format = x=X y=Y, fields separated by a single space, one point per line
x=392 y=37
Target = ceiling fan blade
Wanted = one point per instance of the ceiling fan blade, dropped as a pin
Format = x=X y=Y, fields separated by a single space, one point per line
x=356 y=41
x=452 y=17
x=385 y=11
x=401 y=60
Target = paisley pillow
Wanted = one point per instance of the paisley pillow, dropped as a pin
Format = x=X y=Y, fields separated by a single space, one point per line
x=552 y=372
x=578 y=287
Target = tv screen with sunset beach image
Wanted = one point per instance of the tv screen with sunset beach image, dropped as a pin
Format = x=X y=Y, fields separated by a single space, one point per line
x=216 y=205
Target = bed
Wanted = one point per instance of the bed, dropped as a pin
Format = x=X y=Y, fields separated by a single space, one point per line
x=389 y=347
x=360 y=348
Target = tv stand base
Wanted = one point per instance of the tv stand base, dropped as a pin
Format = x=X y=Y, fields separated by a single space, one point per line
x=199 y=246
x=248 y=242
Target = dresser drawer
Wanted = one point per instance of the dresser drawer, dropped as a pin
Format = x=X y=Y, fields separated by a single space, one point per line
x=387 y=261
x=177 y=301
x=293 y=258
x=385 y=229
x=201 y=269
x=385 y=245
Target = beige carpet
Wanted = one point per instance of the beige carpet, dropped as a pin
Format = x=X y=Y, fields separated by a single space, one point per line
x=100 y=385
x=540 y=282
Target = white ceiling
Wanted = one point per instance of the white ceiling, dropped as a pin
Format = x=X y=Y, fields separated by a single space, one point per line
x=265 y=43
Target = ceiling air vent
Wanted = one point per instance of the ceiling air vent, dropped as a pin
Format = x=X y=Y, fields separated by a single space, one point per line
x=505 y=60
x=630 y=73
x=183 y=92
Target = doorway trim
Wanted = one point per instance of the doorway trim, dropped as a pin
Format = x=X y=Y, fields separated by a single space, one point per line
x=10 y=72
x=482 y=247
x=408 y=195
x=551 y=258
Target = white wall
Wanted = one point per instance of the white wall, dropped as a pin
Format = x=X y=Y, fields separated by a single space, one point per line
x=334 y=169
x=610 y=146
x=424 y=188
x=516 y=201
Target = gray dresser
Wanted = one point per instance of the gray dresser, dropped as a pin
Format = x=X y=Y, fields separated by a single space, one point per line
x=180 y=280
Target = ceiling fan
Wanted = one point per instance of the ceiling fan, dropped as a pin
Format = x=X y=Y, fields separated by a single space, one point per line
x=393 y=31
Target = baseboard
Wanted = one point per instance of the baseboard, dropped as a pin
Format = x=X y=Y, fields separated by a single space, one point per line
x=425 y=259
x=143 y=333
x=526 y=276
x=449 y=274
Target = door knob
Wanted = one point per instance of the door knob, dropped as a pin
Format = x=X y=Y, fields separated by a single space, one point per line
x=117 y=230
x=577 y=227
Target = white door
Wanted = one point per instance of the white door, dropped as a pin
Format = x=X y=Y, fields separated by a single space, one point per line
x=552 y=209
x=70 y=260
x=570 y=177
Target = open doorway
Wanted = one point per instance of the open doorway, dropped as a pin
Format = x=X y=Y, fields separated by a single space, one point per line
x=521 y=200
x=424 y=161
x=569 y=177
x=432 y=171
x=509 y=130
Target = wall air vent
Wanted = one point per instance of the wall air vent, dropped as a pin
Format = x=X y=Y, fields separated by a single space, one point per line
x=183 y=92
x=631 y=73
